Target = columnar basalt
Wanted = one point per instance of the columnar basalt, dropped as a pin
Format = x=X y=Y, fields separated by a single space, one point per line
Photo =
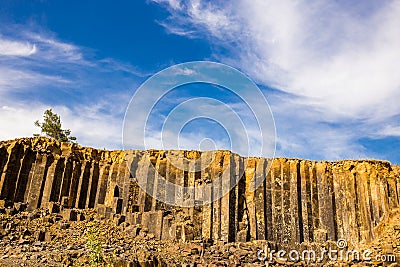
x=296 y=201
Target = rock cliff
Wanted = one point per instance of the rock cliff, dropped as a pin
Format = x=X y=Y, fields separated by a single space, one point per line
x=297 y=200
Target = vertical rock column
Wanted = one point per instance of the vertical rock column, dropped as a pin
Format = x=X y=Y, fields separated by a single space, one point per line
x=296 y=234
x=383 y=190
x=182 y=178
x=306 y=201
x=112 y=188
x=170 y=188
x=250 y=171
x=396 y=173
x=288 y=228
x=23 y=180
x=151 y=172
x=352 y=206
x=277 y=206
x=145 y=177
x=207 y=194
x=269 y=234
x=37 y=177
x=326 y=229
x=122 y=176
x=57 y=180
x=73 y=190
x=130 y=185
x=377 y=212
x=362 y=179
x=92 y=186
x=341 y=217
x=217 y=168
x=83 y=186
x=53 y=181
x=3 y=159
x=9 y=176
x=103 y=181
x=159 y=183
x=235 y=170
x=67 y=177
x=318 y=235
x=259 y=198
x=392 y=192
x=226 y=203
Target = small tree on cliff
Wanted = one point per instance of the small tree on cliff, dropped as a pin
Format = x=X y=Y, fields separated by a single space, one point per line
x=51 y=127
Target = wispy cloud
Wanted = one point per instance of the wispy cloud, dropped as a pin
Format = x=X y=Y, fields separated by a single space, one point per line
x=336 y=63
x=36 y=54
x=322 y=51
x=39 y=71
x=29 y=60
x=14 y=48
x=390 y=130
x=14 y=80
x=52 y=49
x=198 y=14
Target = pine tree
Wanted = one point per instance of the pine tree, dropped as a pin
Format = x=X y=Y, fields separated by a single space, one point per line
x=52 y=127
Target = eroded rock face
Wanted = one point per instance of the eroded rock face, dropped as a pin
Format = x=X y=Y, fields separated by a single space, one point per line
x=298 y=200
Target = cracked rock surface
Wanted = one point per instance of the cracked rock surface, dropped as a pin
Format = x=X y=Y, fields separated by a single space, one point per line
x=63 y=204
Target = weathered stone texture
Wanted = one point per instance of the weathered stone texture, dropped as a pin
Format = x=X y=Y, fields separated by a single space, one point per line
x=287 y=201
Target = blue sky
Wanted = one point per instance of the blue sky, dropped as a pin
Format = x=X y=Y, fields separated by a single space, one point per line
x=329 y=69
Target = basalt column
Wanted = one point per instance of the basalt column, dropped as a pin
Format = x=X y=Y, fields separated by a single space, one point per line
x=23 y=179
x=207 y=221
x=288 y=201
x=9 y=176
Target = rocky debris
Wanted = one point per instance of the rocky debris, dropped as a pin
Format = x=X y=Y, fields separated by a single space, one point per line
x=45 y=242
x=50 y=192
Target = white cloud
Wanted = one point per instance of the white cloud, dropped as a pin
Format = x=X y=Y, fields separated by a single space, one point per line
x=336 y=61
x=390 y=130
x=14 y=80
x=201 y=14
x=48 y=59
x=175 y=4
x=36 y=67
x=15 y=48
x=185 y=71
x=52 y=49
x=17 y=120
x=29 y=60
x=345 y=64
x=93 y=128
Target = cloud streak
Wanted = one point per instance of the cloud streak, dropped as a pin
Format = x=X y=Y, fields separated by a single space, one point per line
x=321 y=51
x=334 y=64
x=14 y=48
x=38 y=71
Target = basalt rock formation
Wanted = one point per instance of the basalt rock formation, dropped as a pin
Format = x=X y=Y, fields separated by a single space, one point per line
x=297 y=200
